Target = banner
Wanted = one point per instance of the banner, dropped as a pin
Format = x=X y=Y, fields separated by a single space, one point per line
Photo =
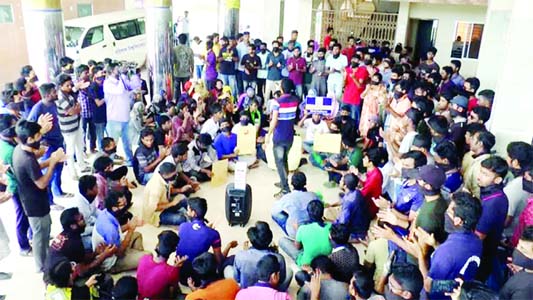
x=325 y=106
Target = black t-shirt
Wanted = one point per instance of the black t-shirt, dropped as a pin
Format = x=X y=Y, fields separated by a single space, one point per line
x=67 y=245
x=250 y=63
x=348 y=129
x=159 y=137
x=227 y=66
x=518 y=287
x=27 y=170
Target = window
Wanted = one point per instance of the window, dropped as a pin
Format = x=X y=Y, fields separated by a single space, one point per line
x=85 y=9
x=72 y=35
x=6 y=14
x=467 y=40
x=94 y=36
x=124 y=30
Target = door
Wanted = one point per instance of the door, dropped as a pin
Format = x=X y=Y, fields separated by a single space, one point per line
x=425 y=38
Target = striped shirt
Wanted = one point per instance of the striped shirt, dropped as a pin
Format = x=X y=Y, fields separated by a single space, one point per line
x=145 y=156
x=67 y=123
x=286 y=106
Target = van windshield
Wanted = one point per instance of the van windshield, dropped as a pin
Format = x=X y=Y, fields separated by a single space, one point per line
x=72 y=35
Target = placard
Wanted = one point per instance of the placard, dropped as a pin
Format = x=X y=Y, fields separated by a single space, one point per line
x=327 y=142
x=246 y=140
x=240 y=175
x=220 y=172
x=325 y=106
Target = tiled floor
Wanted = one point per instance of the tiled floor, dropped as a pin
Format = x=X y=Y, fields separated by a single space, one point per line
x=26 y=284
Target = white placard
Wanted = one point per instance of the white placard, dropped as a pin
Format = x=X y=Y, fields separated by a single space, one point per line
x=240 y=175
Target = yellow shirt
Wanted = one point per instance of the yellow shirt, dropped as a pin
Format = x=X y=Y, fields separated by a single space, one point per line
x=155 y=192
x=470 y=175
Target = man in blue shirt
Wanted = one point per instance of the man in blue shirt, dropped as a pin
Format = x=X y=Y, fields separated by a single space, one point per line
x=447 y=158
x=460 y=254
x=282 y=129
x=290 y=211
x=196 y=237
x=53 y=138
x=354 y=210
x=495 y=205
x=107 y=230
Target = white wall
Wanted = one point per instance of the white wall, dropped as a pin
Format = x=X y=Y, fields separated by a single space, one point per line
x=298 y=15
x=448 y=15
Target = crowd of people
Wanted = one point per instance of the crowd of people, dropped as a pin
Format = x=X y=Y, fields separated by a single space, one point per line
x=425 y=209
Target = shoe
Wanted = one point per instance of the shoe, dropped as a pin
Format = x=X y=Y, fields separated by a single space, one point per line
x=56 y=207
x=330 y=184
x=277 y=184
x=280 y=194
x=26 y=253
x=5 y=276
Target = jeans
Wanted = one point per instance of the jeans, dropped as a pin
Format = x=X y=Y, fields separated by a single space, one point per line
x=281 y=220
x=334 y=176
x=174 y=215
x=56 y=177
x=23 y=225
x=91 y=135
x=281 y=157
x=308 y=146
x=231 y=81
x=198 y=70
x=118 y=130
x=287 y=245
x=41 y=238
x=299 y=91
x=210 y=84
x=74 y=145
x=99 y=129
x=355 y=112
x=146 y=177
x=252 y=83
x=240 y=87
x=260 y=87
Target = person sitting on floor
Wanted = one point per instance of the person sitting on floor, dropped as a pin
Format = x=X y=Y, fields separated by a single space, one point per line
x=200 y=158
x=148 y=156
x=158 y=207
x=226 y=146
x=338 y=164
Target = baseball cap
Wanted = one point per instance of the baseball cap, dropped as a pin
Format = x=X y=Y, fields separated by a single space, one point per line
x=432 y=175
x=460 y=100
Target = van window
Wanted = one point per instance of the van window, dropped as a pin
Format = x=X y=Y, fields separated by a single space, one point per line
x=94 y=36
x=72 y=35
x=124 y=30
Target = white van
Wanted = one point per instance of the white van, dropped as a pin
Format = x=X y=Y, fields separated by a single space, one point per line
x=119 y=35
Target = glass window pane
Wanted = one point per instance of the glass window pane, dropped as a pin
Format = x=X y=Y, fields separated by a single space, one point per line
x=72 y=35
x=124 y=30
x=94 y=36
x=475 y=41
x=85 y=10
x=6 y=14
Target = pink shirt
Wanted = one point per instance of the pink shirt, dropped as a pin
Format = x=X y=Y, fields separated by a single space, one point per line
x=261 y=293
x=101 y=182
x=526 y=219
x=154 y=279
x=298 y=69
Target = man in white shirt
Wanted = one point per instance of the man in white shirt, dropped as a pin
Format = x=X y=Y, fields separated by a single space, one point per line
x=263 y=71
x=335 y=64
x=212 y=125
x=83 y=200
x=198 y=48
x=314 y=125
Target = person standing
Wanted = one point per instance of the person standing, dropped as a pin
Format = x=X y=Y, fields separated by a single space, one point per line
x=34 y=196
x=96 y=95
x=335 y=65
x=183 y=64
x=117 y=96
x=87 y=107
x=210 y=66
x=275 y=63
x=355 y=83
x=199 y=59
x=297 y=67
x=282 y=129
x=263 y=70
x=52 y=138
x=242 y=49
x=68 y=112
x=227 y=58
x=251 y=63
x=317 y=70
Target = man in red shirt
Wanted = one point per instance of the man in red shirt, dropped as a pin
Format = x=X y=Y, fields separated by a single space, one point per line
x=372 y=181
x=349 y=51
x=155 y=277
x=470 y=87
x=327 y=39
x=354 y=85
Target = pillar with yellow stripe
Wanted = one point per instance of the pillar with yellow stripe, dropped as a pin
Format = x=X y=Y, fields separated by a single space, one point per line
x=43 y=24
x=231 y=27
x=159 y=42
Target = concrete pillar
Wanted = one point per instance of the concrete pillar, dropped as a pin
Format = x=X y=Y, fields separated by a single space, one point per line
x=232 y=8
x=159 y=42
x=402 y=23
x=298 y=16
x=43 y=22
x=511 y=115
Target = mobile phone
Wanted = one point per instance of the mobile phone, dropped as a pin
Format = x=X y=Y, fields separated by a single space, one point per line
x=443 y=286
